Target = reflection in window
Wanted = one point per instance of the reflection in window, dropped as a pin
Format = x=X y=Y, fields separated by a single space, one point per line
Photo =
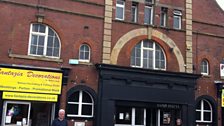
x=80 y=104
x=148 y=54
x=44 y=41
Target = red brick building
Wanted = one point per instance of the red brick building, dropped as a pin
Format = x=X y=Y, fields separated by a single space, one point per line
x=111 y=62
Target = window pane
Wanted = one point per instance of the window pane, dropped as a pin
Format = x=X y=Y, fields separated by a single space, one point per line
x=50 y=41
x=139 y=116
x=74 y=97
x=119 y=13
x=41 y=28
x=33 y=49
x=56 y=52
x=207 y=116
x=34 y=40
x=35 y=27
x=206 y=105
x=49 y=51
x=51 y=32
x=148 y=44
x=176 y=23
x=73 y=109
x=147 y=18
x=86 y=98
x=40 y=51
x=56 y=42
x=41 y=41
x=198 y=115
x=87 y=109
x=86 y=55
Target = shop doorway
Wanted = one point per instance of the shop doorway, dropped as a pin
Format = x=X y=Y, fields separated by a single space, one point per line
x=19 y=113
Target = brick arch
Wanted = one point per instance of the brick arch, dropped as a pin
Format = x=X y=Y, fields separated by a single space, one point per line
x=144 y=31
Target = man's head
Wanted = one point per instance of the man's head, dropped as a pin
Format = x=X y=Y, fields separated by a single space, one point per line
x=61 y=114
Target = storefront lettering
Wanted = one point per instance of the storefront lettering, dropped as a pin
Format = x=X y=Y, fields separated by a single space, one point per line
x=10 y=73
x=169 y=106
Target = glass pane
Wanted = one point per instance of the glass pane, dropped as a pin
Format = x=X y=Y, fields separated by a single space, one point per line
x=74 y=97
x=41 y=41
x=86 y=98
x=51 y=32
x=49 y=51
x=35 y=27
x=198 y=115
x=40 y=50
x=206 y=105
x=148 y=44
x=139 y=116
x=207 y=116
x=50 y=41
x=34 y=40
x=56 y=52
x=81 y=56
x=87 y=110
x=33 y=49
x=86 y=55
x=56 y=42
x=73 y=109
x=119 y=13
x=138 y=62
x=147 y=15
x=41 y=28
x=176 y=22
x=123 y=115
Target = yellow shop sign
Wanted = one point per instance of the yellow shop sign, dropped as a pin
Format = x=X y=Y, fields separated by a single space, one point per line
x=29 y=96
x=222 y=97
x=30 y=81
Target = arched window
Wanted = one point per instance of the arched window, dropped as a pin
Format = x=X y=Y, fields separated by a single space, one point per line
x=148 y=54
x=80 y=104
x=204 y=112
x=84 y=53
x=204 y=67
x=43 y=41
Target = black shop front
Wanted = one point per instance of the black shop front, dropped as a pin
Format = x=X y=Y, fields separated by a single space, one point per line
x=139 y=97
x=29 y=96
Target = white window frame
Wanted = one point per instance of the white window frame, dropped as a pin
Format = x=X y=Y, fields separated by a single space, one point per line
x=163 y=17
x=202 y=112
x=80 y=103
x=154 y=56
x=177 y=15
x=135 y=8
x=120 y=6
x=151 y=15
x=84 y=60
x=204 y=66
x=133 y=119
x=45 y=41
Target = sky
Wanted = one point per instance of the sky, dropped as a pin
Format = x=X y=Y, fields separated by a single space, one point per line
x=221 y=3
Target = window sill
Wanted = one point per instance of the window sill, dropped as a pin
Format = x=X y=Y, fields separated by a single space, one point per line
x=206 y=75
x=35 y=58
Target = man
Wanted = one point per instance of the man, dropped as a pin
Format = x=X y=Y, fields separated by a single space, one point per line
x=60 y=121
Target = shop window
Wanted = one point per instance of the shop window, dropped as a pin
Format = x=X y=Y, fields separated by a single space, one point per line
x=204 y=112
x=80 y=104
x=204 y=67
x=163 y=17
x=130 y=116
x=148 y=14
x=177 y=19
x=84 y=53
x=134 y=12
x=147 y=54
x=120 y=9
x=43 y=41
